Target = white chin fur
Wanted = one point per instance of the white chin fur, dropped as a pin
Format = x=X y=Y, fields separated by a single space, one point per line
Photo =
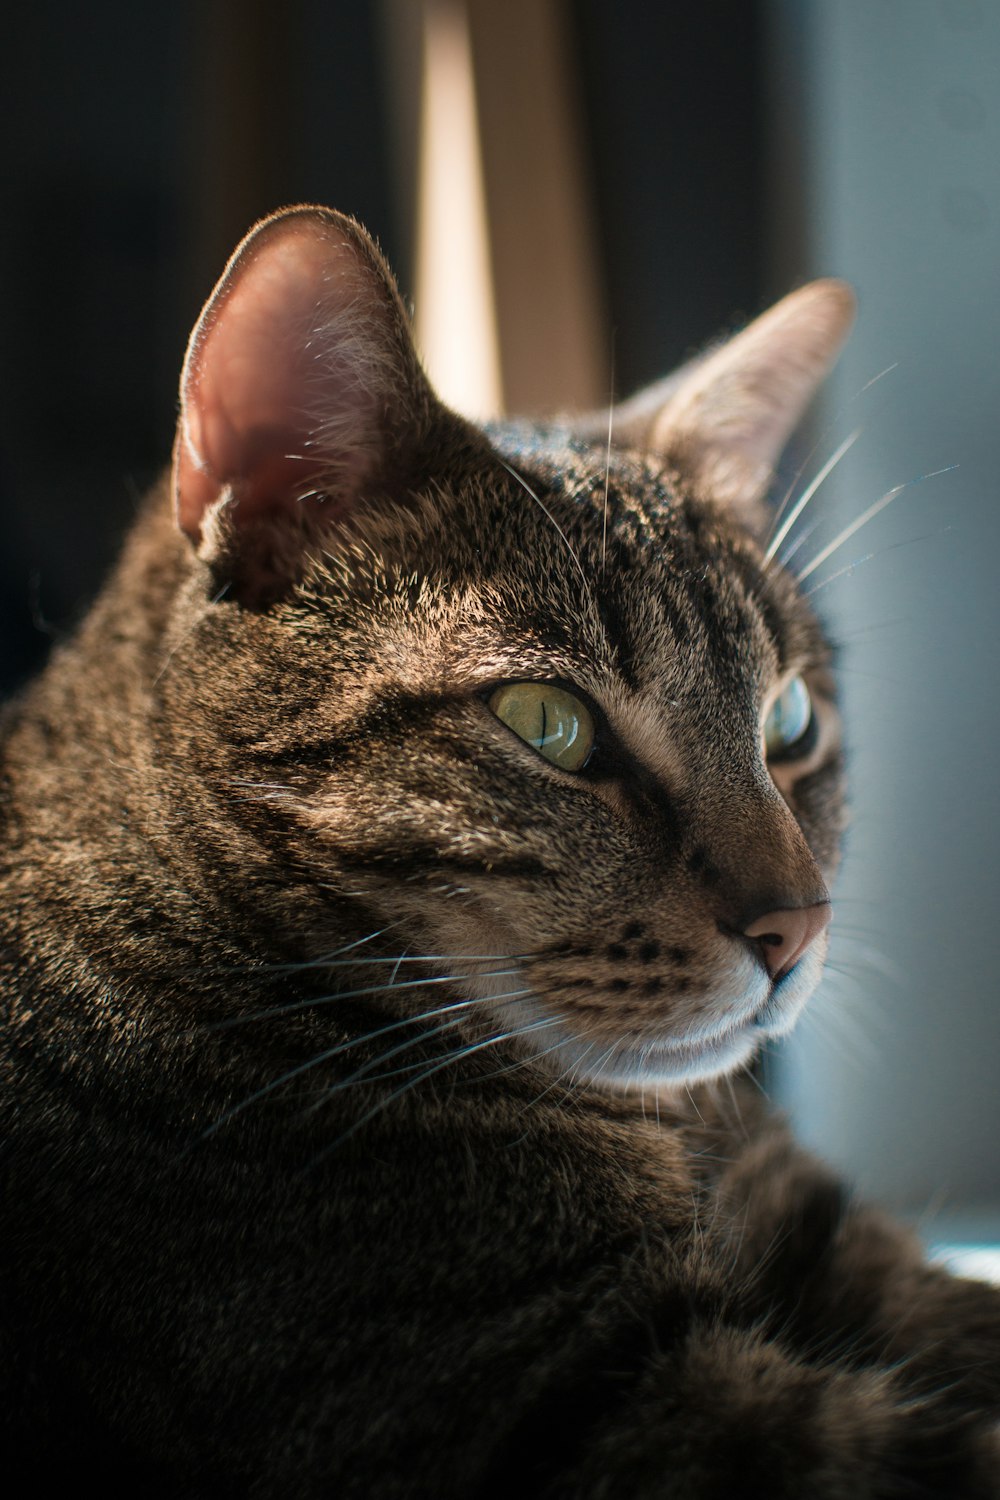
x=650 y=1064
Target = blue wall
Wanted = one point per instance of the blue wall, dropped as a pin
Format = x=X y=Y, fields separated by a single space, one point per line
x=896 y=108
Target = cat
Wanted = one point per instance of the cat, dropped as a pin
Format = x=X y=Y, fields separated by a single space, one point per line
x=422 y=822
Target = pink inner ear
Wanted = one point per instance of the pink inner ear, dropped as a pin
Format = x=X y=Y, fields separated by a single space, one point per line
x=286 y=375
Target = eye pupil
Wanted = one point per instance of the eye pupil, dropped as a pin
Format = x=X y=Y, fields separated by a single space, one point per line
x=551 y=719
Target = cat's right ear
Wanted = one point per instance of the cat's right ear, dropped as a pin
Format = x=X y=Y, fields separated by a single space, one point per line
x=301 y=390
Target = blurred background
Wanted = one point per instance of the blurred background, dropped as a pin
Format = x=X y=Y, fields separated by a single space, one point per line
x=576 y=195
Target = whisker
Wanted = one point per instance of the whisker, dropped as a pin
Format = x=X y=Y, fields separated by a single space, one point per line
x=748 y=1072
x=376 y=1062
x=573 y=1072
x=840 y=573
x=738 y=1120
x=312 y=1062
x=876 y=378
x=545 y=511
x=557 y=1081
x=799 y=542
x=397 y=959
x=821 y=441
x=906 y=542
x=790 y=491
x=525 y=1062
x=493 y=1041
x=848 y=637
x=693 y=1103
x=867 y=516
x=809 y=492
x=552 y=1084
x=576 y=1084
x=330 y=1052
x=371 y=989
x=347 y=948
x=392 y=977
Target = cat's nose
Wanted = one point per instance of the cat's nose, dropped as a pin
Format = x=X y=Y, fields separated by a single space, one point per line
x=782 y=937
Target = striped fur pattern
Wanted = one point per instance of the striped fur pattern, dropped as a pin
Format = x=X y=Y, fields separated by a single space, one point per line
x=361 y=1131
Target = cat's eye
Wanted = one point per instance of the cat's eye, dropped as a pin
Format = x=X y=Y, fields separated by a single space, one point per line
x=790 y=727
x=550 y=719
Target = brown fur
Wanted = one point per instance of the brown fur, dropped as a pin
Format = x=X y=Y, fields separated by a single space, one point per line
x=274 y=1220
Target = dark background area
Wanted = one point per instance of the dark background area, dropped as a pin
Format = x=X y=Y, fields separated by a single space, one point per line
x=140 y=142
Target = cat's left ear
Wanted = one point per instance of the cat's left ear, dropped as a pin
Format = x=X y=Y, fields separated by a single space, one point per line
x=721 y=423
x=301 y=392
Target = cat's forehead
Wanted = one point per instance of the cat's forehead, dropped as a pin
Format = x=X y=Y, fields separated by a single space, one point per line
x=547 y=558
x=596 y=558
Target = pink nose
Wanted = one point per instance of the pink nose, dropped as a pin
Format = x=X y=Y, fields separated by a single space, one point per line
x=783 y=936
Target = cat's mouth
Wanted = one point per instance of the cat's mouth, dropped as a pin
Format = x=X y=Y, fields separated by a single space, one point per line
x=612 y=1054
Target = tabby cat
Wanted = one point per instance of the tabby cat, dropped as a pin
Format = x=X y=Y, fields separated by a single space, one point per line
x=421 y=822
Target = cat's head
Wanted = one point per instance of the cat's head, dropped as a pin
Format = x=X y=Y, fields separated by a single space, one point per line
x=529 y=700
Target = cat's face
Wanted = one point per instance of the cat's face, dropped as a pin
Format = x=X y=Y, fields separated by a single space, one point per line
x=541 y=709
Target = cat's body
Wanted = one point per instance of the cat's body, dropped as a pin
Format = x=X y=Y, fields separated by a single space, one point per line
x=355 y=1140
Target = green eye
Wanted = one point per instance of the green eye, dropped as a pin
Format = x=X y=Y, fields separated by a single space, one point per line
x=790 y=727
x=550 y=719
